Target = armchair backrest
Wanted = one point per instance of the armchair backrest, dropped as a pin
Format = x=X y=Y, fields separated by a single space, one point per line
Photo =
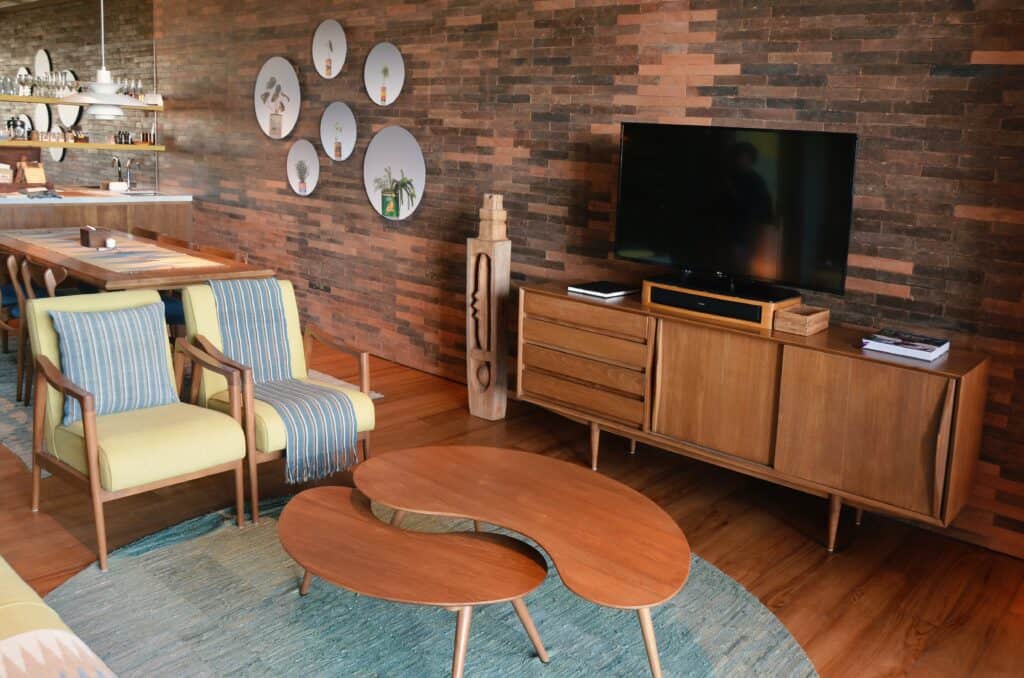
x=46 y=342
x=201 y=318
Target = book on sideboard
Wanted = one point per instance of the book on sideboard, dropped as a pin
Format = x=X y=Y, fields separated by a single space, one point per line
x=908 y=344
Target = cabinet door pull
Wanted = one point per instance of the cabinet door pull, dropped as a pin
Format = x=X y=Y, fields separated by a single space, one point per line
x=942 y=448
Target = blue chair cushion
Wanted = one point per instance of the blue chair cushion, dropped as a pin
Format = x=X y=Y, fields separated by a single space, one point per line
x=174 y=311
x=118 y=356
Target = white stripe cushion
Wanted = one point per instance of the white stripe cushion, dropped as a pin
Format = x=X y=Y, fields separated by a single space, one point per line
x=118 y=356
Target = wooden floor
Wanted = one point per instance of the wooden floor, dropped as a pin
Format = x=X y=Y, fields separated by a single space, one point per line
x=894 y=599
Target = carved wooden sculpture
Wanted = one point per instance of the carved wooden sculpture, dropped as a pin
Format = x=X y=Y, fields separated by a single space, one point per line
x=488 y=258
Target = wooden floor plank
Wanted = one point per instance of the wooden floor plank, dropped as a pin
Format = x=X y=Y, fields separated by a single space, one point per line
x=894 y=600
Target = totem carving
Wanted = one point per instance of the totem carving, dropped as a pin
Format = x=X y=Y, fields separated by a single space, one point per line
x=488 y=260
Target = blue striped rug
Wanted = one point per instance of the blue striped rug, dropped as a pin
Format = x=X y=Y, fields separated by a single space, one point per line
x=206 y=599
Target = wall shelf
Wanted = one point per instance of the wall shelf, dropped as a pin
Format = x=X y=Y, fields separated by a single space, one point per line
x=14 y=98
x=150 y=148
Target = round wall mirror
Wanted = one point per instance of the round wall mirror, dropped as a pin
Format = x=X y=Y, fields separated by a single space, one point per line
x=41 y=63
x=384 y=74
x=338 y=131
x=277 y=98
x=394 y=173
x=303 y=167
x=329 y=49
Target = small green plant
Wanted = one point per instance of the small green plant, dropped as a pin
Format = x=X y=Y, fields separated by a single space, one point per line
x=302 y=170
x=273 y=96
x=384 y=73
x=403 y=188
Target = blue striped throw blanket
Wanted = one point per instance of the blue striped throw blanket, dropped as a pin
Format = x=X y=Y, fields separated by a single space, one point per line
x=320 y=422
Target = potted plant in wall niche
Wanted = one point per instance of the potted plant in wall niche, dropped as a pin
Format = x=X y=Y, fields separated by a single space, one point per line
x=302 y=171
x=393 y=192
x=337 y=141
x=276 y=101
x=384 y=73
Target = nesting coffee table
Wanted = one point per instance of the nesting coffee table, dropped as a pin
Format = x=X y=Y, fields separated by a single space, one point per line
x=610 y=544
x=331 y=532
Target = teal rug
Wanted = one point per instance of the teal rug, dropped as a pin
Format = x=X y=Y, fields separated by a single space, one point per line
x=206 y=599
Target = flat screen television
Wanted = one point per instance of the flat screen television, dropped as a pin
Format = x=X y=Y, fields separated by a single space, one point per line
x=744 y=205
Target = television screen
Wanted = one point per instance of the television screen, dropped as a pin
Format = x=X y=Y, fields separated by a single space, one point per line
x=749 y=204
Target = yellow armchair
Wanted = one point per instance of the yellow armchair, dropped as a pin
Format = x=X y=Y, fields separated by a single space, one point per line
x=266 y=438
x=126 y=453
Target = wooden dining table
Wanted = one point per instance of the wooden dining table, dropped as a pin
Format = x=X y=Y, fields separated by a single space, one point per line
x=134 y=263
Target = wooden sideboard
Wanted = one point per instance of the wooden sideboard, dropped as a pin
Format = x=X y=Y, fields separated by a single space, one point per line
x=817 y=413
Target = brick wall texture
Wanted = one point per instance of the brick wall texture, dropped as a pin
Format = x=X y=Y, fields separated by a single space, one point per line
x=70 y=32
x=525 y=98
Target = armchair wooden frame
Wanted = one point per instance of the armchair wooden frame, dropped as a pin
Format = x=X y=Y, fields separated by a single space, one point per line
x=48 y=374
x=253 y=456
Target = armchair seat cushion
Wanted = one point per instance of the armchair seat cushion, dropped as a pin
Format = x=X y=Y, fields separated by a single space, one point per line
x=156 y=443
x=270 y=430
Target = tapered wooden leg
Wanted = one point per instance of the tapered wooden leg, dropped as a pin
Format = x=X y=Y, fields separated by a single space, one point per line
x=835 y=507
x=22 y=351
x=29 y=373
x=461 y=641
x=632 y=447
x=647 y=627
x=366 y=446
x=524 y=616
x=101 y=530
x=37 y=474
x=254 y=487
x=307 y=579
x=595 y=443
x=860 y=517
x=240 y=493
x=397 y=518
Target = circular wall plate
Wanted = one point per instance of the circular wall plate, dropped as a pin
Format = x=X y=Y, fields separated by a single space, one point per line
x=277 y=98
x=338 y=131
x=41 y=117
x=394 y=156
x=28 y=122
x=329 y=49
x=42 y=62
x=57 y=153
x=384 y=73
x=303 y=167
x=69 y=115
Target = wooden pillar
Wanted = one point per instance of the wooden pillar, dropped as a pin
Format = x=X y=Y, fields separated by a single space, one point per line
x=488 y=262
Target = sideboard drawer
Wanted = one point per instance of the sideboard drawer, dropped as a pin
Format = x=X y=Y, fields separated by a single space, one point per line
x=579 y=368
x=584 y=342
x=600 y=318
x=583 y=398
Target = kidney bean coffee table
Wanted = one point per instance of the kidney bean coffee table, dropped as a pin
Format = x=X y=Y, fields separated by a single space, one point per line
x=331 y=532
x=610 y=544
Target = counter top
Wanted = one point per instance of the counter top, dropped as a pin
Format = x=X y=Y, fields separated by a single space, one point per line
x=94 y=196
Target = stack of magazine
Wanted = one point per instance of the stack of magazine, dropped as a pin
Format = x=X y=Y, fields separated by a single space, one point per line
x=906 y=344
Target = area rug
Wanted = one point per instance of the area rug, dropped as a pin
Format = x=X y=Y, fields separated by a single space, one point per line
x=16 y=418
x=207 y=599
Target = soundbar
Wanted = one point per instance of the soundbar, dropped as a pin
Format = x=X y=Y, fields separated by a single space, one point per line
x=694 y=303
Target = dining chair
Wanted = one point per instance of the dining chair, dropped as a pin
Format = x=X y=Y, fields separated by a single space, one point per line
x=223 y=253
x=265 y=433
x=110 y=418
x=29 y=281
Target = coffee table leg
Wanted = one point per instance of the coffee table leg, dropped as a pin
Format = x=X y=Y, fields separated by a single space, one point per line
x=461 y=641
x=647 y=626
x=524 y=616
x=307 y=579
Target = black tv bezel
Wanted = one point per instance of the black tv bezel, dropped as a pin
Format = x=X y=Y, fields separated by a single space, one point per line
x=713 y=274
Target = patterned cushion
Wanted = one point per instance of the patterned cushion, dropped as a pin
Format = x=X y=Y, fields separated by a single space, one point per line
x=49 y=652
x=118 y=356
x=253 y=325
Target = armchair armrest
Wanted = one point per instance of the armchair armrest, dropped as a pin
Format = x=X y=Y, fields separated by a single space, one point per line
x=201 y=360
x=47 y=374
x=314 y=333
x=207 y=346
